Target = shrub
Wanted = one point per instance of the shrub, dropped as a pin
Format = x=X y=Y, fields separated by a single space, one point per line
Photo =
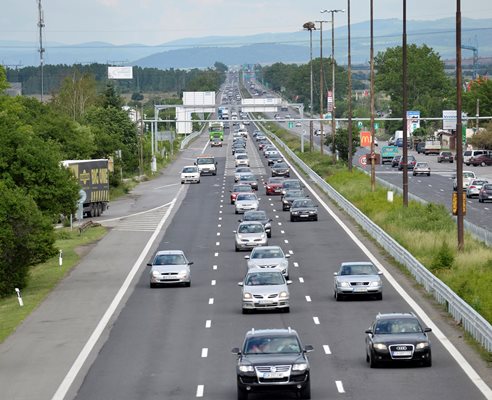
x=443 y=259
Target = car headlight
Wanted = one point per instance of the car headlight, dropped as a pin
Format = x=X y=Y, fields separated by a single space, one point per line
x=247 y=296
x=299 y=367
x=156 y=274
x=285 y=202
x=374 y=283
x=422 y=345
x=283 y=295
x=295 y=212
x=182 y=274
x=344 y=284
x=380 y=346
x=240 y=236
x=246 y=368
x=262 y=236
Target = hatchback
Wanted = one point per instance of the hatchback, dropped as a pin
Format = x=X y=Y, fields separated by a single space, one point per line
x=246 y=202
x=474 y=187
x=269 y=257
x=249 y=235
x=485 y=193
x=170 y=267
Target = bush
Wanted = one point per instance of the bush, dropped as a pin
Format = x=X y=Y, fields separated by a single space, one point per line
x=443 y=259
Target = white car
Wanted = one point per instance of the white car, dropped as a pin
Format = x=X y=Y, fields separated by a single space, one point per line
x=250 y=234
x=468 y=176
x=271 y=152
x=190 y=174
x=170 y=267
x=474 y=187
x=246 y=202
x=269 y=258
x=241 y=159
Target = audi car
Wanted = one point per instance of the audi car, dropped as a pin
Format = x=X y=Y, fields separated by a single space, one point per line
x=303 y=209
x=356 y=279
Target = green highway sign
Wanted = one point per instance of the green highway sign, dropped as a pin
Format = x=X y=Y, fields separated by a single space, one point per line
x=290 y=125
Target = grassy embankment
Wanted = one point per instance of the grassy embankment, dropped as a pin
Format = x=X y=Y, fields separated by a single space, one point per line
x=44 y=277
x=426 y=231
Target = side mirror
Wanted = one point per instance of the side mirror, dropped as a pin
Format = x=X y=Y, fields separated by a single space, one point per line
x=246 y=257
x=335 y=273
x=380 y=272
x=234 y=231
x=149 y=264
x=216 y=163
x=240 y=284
x=289 y=282
x=368 y=331
x=191 y=263
x=236 y=350
x=194 y=163
x=287 y=255
x=308 y=348
x=427 y=330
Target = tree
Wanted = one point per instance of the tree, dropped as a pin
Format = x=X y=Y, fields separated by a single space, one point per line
x=220 y=67
x=429 y=89
x=341 y=142
x=483 y=139
x=26 y=238
x=3 y=79
x=77 y=93
x=480 y=89
x=110 y=97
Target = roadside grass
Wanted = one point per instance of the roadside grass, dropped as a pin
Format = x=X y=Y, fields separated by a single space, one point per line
x=428 y=232
x=44 y=277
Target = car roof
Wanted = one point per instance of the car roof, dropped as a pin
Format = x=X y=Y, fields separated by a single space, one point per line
x=251 y=223
x=357 y=263
x=269 y=332
x=266 y=248
x=162 y=252
x=395 y=315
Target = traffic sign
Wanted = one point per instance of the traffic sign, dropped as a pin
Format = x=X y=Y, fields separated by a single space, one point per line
x=454 y=203
x=359 y=124
x=363 y=160
x=290 y=125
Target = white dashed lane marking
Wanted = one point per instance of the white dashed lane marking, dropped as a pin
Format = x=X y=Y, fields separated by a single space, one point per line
x=213 y=282
x=208 y=323
x=316 y=320
x=282 y=232
x=214 y=267
x=217 y=243
x=301 y=279
x=204 y=352
x=291 y=252
x=326 y=348
x=296 y=265
x=286 y=241
x=308 y=299
x=211 y=300
x=199 y=390
x=340 y=387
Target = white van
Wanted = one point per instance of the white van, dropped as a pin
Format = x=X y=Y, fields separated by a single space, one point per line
x=473 y=153
x=206 y=164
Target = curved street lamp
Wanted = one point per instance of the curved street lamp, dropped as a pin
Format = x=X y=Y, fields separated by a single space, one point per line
x=310 y=26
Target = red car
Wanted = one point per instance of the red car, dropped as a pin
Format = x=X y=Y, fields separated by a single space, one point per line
x=482 y=160
x=236 y=189
x=274 y=186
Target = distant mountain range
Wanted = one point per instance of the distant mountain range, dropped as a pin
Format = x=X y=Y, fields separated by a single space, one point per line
x=261 y=48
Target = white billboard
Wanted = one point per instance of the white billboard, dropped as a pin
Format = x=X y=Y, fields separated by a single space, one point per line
x=261 y=102
x=198 y=98
x=183 y=118
x=120 y=72
x=449 y=119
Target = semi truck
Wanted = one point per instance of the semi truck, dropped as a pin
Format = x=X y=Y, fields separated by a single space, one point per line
x=93 y=178
x=388 y=153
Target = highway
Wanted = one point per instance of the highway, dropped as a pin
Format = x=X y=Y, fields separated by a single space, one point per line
x=175 y=342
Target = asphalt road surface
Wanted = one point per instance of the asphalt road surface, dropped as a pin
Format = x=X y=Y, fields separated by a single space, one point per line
x=175 y=342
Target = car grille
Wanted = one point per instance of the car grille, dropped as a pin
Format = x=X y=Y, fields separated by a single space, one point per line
x=270 y=296
x=268 y=266
x=401 y=351
x=359 y=283
x=273 y=373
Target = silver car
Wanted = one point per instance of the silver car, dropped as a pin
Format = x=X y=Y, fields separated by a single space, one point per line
x=170 y=267
x=249 y=235
x=358 y=278
x=241 y=170
x=246 y=202
x=269 y=257
x=421 y=168
x=265 y=290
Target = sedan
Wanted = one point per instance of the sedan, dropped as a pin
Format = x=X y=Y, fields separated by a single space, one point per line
x=241 y=160
x=264 y=290
x=421 y=168
x=274 y=158
x=482 y=160
x=289 y=197
x=190 y=173
x=274 y=186
x=445 y=156
x=357 y=278
x=170 y=267
x=474 y=188
x=485 y=193
x=395 y=161
x=246 y=202
x=241 y=170
x=260 y=216
x=269 y=257
x=303 y=209
x=291 y=184
x=281 y=169
x=397 y=337
x=411 y=161
x=239 y=188
x=249 y=179
x=249 y=235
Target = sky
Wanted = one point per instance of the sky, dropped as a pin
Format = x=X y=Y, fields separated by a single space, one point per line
x=153 y=22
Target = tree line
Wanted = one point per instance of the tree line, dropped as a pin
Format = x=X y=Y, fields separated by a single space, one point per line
x=84 y=119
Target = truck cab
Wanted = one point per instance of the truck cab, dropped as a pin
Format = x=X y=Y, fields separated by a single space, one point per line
x=388 y=153
x=206 y=164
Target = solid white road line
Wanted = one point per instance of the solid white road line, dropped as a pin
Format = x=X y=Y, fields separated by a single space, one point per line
x=451 y=348
x=204 y=352
x=199 y=390
x=205 y=147
x=340 y=387
x=62 y=390
x=211 y=300
x=316 y=320
x=208 y=323
x=326 y=348
x=139 y=213
x=171 y=184
x=301 y=279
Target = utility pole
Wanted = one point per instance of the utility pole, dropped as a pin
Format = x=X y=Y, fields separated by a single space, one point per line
x=477 y=115
x=41 y=48
x=349 y=95
x=459 y=140
x=310 y=27
x=373 y=161
x=321 y=85
x=405 y=107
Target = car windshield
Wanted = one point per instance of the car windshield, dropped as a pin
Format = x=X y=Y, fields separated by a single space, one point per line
x=250 y=228
x=361 y=269
x=246 y=196
x=281 y=165
x=190 y=169
x=398 y=325
x=169 y=259
x=243 y=169
x=267 y=253
x=242 y=188
x=422 y=165
x=255 y=216
x=292 y=184
x=205 y=160
x=446 y=153
x=242 y=156
x=468 y=175
x=272 y=345
x=264 y=279
x=479 y=182
x=303 y=203
x=248 y=177
x=294 y=193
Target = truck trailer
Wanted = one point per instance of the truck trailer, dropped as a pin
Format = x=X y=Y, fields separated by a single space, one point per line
x=93 y=178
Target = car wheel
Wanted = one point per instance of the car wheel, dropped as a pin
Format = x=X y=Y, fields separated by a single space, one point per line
x=315 y=218
x=187 y=284
x=306 y=391
x=429 y=174
x=236 y=212
x=372 y=362
x=379 y=296
x=286 y=310
x=198 y=181
x=232 y=202
x=338 y=296
x=152 y=285
x=414 y=174
x=292 y=219
x=367 y=357
x=242 y=394
x=237 y=249
x=245 y=311
x=269 y=235
x=428 y=362
x=182 y=182
x=480 y=200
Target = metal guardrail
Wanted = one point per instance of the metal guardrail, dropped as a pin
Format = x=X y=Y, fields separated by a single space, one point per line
x=477 y=326
x=189 y=138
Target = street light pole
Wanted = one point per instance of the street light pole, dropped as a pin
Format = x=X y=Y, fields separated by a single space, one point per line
x=405 y=107
x=310 y=27
x=373 y=161
x=349 y=95
x=333 y=122
x=321 y=85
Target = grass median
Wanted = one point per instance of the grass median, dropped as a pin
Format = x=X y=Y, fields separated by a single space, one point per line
x=427 y=231
x=44 y=277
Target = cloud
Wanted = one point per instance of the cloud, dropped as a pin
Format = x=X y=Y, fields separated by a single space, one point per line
x=110 y=3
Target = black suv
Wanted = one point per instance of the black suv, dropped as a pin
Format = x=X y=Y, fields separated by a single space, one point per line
x=397 y=337
x=272 y=360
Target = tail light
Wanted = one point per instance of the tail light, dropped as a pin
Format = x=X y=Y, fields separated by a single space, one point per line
x=472 y=187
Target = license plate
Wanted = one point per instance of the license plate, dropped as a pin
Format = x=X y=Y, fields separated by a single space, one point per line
x=303 y=216
x=273 y=375
x=402 y=353
x=264 y=302
x=169 y=277
x=360 y=289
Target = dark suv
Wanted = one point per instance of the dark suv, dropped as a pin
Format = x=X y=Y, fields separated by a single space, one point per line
x=397 y=337
x=272 y=360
